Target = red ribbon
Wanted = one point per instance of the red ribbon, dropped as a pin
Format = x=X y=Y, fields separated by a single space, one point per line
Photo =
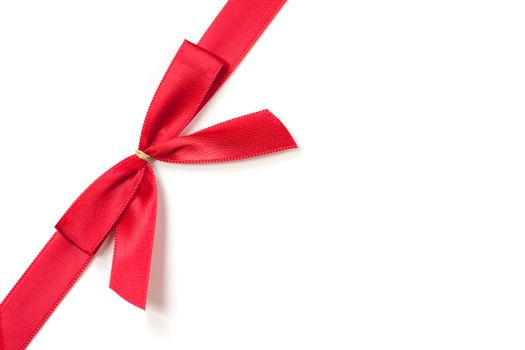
x=124 y=199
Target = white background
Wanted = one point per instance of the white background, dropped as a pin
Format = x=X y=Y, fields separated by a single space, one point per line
x=398 y=224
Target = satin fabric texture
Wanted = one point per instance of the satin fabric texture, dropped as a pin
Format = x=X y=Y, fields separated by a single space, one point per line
x=124 y=199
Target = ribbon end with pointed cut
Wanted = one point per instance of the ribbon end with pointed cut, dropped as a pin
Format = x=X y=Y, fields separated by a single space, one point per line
x=135 y=231
x=135 y=300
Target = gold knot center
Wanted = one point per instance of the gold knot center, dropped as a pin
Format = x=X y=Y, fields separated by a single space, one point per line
x=143 y=155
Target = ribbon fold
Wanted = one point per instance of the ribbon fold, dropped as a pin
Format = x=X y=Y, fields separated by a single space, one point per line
x=124 y=198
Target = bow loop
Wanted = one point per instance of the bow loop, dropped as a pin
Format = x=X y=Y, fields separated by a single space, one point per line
x=90 y=218
x=180 y=95
x=248 y=136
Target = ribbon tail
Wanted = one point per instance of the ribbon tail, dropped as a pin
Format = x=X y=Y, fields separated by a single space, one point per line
x=39 y=291
x=249 y=17
x=249 y=136
x=135 y=231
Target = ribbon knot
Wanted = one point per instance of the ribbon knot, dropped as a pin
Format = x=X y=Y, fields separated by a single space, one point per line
x=143 y=155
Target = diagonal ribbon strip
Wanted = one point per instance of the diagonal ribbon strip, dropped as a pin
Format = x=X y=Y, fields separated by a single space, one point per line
x=124 y=199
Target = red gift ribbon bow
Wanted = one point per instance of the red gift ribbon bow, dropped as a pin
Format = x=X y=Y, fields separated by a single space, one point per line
x=125 y=198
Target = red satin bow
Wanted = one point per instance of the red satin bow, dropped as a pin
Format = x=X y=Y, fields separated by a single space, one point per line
x=125 y=198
